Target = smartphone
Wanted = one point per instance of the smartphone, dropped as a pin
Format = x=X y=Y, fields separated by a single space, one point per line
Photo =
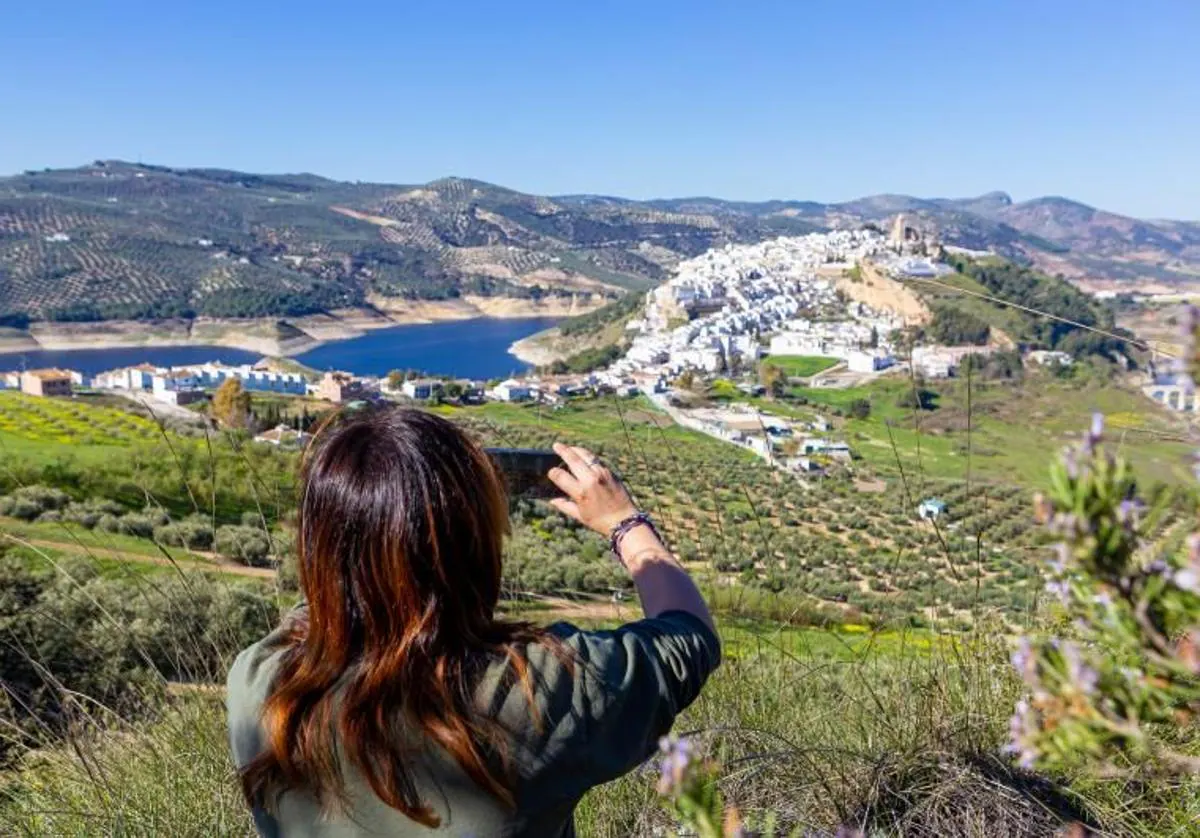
x=525 y=470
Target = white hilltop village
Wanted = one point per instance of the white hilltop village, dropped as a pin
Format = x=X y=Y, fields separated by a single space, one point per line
x=783 y=289
x=730 y=306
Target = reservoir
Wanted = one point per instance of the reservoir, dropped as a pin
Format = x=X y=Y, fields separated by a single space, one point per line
x=469 y=348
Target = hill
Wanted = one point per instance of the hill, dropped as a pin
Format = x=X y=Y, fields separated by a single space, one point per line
x=121 y=240
x=118 y=240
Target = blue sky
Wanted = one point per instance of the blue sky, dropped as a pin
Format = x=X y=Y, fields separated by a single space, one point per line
x=811 y=99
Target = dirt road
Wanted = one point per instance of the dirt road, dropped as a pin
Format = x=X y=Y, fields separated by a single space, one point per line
x=205 y=562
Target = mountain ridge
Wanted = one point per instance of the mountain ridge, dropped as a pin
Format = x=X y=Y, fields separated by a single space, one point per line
x=120 y=240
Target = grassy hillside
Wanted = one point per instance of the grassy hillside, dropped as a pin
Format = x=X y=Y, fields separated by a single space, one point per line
x=899 y=733
x=894 y=631
x=957 y=315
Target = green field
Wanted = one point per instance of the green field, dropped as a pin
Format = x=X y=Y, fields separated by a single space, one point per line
x=91 y=430
x=1010 y=432
x=802 y=366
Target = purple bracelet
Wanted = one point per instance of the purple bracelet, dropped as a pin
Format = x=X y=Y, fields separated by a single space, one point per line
x=622 y=529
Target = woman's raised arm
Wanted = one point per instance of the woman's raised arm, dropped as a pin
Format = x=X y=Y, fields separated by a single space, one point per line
x=597 y=499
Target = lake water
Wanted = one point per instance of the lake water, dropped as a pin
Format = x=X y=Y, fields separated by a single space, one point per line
x=469 y=348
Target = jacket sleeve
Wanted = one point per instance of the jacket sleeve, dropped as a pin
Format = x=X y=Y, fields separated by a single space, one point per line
x=621 y=692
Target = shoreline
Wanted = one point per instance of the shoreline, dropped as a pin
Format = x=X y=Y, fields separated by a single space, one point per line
x=530 y=350
x=281 y=337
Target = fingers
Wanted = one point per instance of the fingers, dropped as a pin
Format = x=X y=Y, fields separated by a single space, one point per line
x=576 y=462
x=564 y=480
x=567 y=507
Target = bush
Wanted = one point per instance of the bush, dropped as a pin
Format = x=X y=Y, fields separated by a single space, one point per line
x=193 y=533
x=83 y=514
x=77 y=641
x=859 y=409
x=247 y=545
x=26 y=510
x=139 y=524
x=28 y=502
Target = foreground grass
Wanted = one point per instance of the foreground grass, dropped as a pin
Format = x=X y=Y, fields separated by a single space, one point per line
x=900 y=733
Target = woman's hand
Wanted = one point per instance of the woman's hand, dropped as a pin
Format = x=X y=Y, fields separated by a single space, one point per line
x=594 y=495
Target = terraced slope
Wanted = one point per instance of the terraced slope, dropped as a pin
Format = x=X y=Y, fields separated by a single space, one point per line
x=121 y=240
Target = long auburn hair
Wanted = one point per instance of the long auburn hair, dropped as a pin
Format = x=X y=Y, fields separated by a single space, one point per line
x=401 y=523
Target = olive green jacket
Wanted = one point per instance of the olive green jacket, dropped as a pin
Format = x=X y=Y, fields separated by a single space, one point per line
x=600 y=718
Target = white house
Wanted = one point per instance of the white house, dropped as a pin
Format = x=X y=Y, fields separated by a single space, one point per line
x=831 y=448
x=860 y=361
x=1047 y=357
x=140 y=377
x=943 y=361
x=421 y=388
x=803 y=465
x=511 y=390
x=796 y=343
x=1172 y=393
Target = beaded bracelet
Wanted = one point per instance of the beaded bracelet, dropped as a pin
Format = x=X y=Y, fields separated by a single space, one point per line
x=622 y=529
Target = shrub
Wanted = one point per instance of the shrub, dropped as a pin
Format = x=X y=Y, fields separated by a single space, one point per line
x=859 y=409
x=21 y=508
x=75 y=634
x=139 y=524
x=247 y=545
x=28 y=502
x=252 y=518
x=83 y=514
x=1109 y=686
x=193 y=533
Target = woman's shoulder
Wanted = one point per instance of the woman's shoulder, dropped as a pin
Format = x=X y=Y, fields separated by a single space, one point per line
x=252 y=672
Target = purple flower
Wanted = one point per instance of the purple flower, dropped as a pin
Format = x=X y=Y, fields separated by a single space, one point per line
x=1081 y=676
x=1024 y=661
x=1070 y=462
x=1061 y=589
x=1095 y=433
x=1128 y=512
x=1022 y=730
x=1062 y=555
x=1189 y=322
x=677 y=757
